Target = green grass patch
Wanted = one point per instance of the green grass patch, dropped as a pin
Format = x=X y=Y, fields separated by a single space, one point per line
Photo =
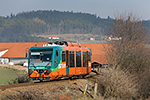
x=6 y=75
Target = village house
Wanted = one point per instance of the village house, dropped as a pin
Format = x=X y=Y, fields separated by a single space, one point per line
x=92 y=38
x=53 y=37
x=111 y=38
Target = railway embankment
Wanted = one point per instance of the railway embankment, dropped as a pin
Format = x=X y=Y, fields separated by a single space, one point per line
x=111 y=83
x=49 y=90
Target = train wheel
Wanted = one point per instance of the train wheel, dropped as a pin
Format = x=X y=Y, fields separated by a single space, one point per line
x=59 y=79
x=80 y=76
x=70 y=78
x=41 y=80
x=83 y=76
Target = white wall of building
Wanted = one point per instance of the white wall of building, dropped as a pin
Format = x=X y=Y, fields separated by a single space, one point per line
x=4 y=60
x=13 y=61
x=18 y=60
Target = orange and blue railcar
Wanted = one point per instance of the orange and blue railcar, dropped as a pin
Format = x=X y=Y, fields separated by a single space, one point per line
x=58 y=60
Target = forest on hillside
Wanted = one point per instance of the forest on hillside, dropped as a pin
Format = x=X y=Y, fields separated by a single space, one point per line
x=23 y=26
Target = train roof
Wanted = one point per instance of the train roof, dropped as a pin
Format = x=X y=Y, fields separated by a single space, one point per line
x=67 y=46
x=63 y=43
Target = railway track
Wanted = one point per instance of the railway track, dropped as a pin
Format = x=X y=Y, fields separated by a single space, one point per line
x=4 y=87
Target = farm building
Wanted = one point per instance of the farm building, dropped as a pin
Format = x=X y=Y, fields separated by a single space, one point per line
x=53 y=37
x=15 y=53
x=98 y=54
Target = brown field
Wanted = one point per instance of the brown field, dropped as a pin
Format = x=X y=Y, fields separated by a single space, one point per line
x=81 y=38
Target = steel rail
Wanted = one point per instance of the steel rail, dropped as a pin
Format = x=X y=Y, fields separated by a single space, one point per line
x=4 y=87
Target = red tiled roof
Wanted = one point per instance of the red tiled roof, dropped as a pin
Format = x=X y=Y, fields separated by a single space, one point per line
x=3 y=49
x=18 y=50
x=98 y=52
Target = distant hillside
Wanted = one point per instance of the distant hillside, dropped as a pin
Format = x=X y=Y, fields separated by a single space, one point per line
x=20 y=27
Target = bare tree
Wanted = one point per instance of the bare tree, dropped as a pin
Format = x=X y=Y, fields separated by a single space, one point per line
x=131 y=34
x=129 y=58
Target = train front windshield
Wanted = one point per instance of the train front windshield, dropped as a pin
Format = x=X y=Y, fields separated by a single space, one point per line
x=41 y=57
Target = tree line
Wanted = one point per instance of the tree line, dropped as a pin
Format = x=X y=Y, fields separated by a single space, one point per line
x=15 y=28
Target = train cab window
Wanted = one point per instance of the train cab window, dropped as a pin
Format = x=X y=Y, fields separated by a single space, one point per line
x=56 y=57
x=71 y=53
x=84 y=59
x=63 y=56
x=78 y=58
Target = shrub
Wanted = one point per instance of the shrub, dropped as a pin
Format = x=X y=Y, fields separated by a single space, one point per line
x=118 y=84
x=20 y=79
x=144 y=86
x=24 y=95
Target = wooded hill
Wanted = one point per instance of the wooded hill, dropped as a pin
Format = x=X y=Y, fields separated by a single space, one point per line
x=20 y=27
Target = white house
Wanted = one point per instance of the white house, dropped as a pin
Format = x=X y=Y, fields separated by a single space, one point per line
x=53 y=37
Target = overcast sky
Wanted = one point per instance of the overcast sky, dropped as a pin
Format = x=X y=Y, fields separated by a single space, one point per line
x=102 y=8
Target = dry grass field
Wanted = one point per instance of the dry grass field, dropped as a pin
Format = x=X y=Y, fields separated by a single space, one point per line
x=81 y=38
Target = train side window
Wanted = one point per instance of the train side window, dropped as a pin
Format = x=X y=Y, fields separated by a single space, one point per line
x=63 y=56
x=78 y=58
x=87 y=57
x=71 y=53
x=84 y=59
x=56 y=57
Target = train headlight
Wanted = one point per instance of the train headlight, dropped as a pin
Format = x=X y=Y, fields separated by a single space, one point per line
x=30 y=71
x=49 y=71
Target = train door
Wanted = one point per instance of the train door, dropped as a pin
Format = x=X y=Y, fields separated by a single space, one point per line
x=63 y=62
x=67 y=64
x=78 y=63
x=87 y=61
x=71 y=63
